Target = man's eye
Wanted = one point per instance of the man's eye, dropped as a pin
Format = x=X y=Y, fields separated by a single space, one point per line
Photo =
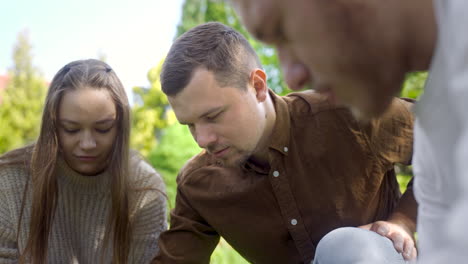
x=273 y=35
x=213 y=117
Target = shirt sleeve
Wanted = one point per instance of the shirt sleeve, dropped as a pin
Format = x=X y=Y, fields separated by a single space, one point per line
x=391 y=135
x=8 y=245
x=149 y=219
x=190 y=239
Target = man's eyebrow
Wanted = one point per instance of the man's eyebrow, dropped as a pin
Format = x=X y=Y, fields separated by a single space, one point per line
x=210 y=111
x=258 y=33
x=271 y=34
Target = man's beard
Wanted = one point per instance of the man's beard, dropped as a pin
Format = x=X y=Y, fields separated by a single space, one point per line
x=234 y=160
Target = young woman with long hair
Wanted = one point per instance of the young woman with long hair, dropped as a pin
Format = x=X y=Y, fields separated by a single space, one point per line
x=78 y=194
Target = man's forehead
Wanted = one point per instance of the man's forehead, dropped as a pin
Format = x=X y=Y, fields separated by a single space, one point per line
x=178 y=105
x=180 y=110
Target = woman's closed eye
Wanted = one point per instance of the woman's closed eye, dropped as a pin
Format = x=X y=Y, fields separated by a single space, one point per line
x=70 y=130
x=104 y=130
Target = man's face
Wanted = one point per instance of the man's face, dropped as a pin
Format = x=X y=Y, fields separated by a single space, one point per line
x=345 y=49
x=227 y=122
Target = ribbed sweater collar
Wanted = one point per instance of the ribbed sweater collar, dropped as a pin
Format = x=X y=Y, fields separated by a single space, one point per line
x=93 y=184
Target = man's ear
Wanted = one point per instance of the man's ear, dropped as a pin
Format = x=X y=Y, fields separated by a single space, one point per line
x=258 y=80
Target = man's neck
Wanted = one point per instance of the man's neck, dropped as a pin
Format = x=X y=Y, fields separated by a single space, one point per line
x=260 y=156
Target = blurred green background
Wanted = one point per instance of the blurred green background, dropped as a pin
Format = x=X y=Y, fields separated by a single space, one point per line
x=155 y=132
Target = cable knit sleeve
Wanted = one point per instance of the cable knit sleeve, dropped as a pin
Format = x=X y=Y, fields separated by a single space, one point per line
x=149 y=213
x=8 y=248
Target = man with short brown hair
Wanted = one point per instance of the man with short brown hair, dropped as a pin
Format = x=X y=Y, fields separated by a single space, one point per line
x=278 y=174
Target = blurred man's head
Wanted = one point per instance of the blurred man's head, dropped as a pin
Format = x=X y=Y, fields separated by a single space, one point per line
x=356 y=51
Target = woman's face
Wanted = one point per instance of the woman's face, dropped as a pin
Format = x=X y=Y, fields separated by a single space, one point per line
x=87 y=128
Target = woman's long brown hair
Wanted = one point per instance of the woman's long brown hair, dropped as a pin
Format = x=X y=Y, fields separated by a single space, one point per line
x=41 y=158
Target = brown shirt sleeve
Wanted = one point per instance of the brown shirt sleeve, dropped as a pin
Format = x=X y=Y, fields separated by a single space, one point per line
x=391 y=135
x=190 y=239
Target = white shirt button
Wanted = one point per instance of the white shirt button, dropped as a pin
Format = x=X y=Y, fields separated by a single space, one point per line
x=293 y=222
x=286 y=149
x=275 y=173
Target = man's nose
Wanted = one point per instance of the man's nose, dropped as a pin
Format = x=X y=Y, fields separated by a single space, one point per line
x=204 y=136
x=295 y=72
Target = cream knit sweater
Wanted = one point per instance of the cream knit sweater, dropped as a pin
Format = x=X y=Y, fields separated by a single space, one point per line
x=81 y=218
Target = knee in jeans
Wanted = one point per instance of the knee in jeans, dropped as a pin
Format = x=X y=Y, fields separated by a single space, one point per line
x=351 y=245
x=341 y=239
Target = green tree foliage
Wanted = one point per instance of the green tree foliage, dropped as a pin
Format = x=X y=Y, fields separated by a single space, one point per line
x=414 y=84
x=23 y=99
x=150 y=113
x=174 y=150
x=196 y=12
x=413 y=87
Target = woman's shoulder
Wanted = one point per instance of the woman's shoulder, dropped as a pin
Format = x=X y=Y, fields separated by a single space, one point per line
x=147 y=185
x=13 y=176
x=14 y=167
x=143 y=175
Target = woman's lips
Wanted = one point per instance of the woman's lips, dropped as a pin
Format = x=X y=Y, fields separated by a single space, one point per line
x=87 y=158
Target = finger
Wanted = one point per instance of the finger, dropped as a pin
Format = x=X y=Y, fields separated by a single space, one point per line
x=409 y=250
x=398 y=241
x=381 y=228
x=415 y=253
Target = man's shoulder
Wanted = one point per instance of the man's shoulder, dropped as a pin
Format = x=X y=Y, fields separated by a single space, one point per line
x=309 y=102
x=193 y=165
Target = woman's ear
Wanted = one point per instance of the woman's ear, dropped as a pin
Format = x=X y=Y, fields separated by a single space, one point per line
x=258 y=79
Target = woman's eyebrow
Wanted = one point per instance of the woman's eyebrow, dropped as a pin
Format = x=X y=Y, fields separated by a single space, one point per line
x=68 y=121
x=104 y=121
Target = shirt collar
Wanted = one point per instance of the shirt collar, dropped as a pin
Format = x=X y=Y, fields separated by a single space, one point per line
x=279 y=139
x=280 y=136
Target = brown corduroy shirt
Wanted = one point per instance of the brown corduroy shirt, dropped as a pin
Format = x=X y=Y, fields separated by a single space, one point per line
x=326 y=170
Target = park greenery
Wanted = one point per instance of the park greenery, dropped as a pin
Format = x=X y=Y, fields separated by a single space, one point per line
x=155 y=131
x=22 y=98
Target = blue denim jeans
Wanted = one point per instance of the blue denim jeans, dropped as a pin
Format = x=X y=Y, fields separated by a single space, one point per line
x=351 y=245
